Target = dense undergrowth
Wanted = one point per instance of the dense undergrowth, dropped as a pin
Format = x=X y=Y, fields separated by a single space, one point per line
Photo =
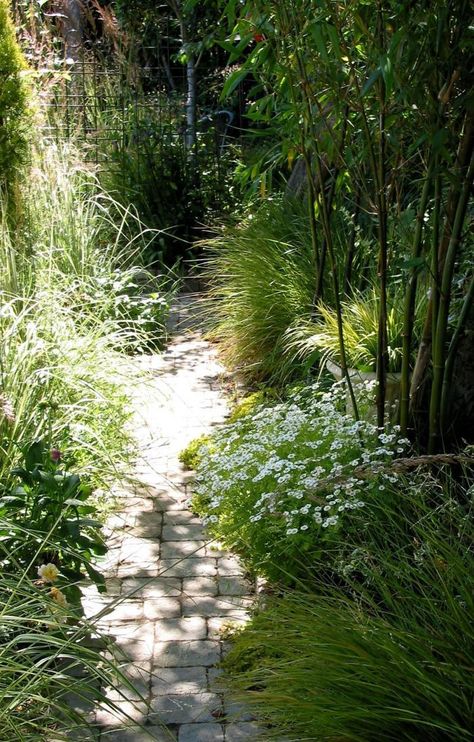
x=365 y=631
x=76 y=304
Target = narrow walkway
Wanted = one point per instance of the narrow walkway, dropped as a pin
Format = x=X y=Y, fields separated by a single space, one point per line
x=170 y=626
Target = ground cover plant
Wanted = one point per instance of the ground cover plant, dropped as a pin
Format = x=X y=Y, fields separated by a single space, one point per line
x=285 y=480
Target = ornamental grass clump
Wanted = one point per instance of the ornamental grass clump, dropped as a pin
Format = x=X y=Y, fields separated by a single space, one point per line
x=52 y=673
x=280 y=485
x=391 y=657
x=261 y=274
x=76 y=301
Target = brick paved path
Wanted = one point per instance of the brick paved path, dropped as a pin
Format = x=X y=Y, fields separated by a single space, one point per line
x=181 y=589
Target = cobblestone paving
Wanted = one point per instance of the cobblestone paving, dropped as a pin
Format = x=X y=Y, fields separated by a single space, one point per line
x=175 y=591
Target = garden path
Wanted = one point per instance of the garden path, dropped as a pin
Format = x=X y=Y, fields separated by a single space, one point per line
x=175 y=590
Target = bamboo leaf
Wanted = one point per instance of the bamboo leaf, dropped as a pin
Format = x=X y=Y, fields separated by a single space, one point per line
x=371 y=81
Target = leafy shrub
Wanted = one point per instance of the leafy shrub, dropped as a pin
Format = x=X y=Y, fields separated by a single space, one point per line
x=146 y=167
x=262 y=279
x=14 y=108
x=392 y=660
x=49 y=519
x=280 y=485
x=136 y=300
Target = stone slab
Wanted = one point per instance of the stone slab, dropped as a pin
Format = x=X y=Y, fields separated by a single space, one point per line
x=185 y=708
x=206 y=732
x=186 y=653
x=176 y=680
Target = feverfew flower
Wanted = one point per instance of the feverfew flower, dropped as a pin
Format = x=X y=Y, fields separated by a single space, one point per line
x=48 y=572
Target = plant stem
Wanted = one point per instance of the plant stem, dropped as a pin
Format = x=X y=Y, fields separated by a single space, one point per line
x=410 y=296
x=439 y=340
x=382 y=353
x=451 y=354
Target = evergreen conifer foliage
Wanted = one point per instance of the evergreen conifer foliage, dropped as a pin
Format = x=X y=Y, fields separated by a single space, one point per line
x=14 y=109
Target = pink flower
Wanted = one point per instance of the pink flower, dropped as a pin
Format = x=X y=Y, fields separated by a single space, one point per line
x=55 y=455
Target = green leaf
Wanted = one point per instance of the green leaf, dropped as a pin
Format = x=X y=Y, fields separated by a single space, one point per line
x=317 y=35
x=371 y=81
x=96 y=576
x=34 y=455
x=233 y=81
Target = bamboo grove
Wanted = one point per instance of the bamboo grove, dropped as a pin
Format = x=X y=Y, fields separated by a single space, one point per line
x=374 y=99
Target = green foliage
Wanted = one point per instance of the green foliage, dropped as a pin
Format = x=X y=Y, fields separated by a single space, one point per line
x=191 y=456
x=51 y=670
x=261 y=273
x=146 y=168
x=14 y=108
x=391 y=661
x=281 y=485
x=249 y=404
x=67 y=312
x=318 y=338
x=52 y=505
x=384 y=133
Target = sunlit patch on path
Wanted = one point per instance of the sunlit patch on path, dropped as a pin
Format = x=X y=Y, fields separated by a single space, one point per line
x=180 y=588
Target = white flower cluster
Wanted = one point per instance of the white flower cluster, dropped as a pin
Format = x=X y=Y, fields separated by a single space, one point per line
x=302 y=462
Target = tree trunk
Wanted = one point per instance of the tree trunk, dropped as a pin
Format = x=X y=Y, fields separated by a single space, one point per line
x=71 y=17
x=190 y=138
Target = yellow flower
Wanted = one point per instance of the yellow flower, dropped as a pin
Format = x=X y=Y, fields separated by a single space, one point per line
x=58 y=597
x=48 y=572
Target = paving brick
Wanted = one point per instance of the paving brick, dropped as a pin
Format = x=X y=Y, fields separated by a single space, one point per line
x=189 y=567
x=237 y=712
x=184 y=532
x=125 y=610
x=242 y=730
x=175 y=680
x=185 y=707
x=195 y=586
x=123 y=713
x=233 y=586
x=157 y=587
x=186 y=653
x=181 y=629
x=180 y=549
x=136 y=640
x=206 y=732
x=132 y=569
x=228 y=566
x=139 y=550
x=180 y=517
x=230 y=605
x=157 y=608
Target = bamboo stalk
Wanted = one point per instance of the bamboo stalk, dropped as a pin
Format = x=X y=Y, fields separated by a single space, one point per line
x=424 y=351
x=439 y=356
x=410 y=297
x=382 y=354
x=451 y=355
